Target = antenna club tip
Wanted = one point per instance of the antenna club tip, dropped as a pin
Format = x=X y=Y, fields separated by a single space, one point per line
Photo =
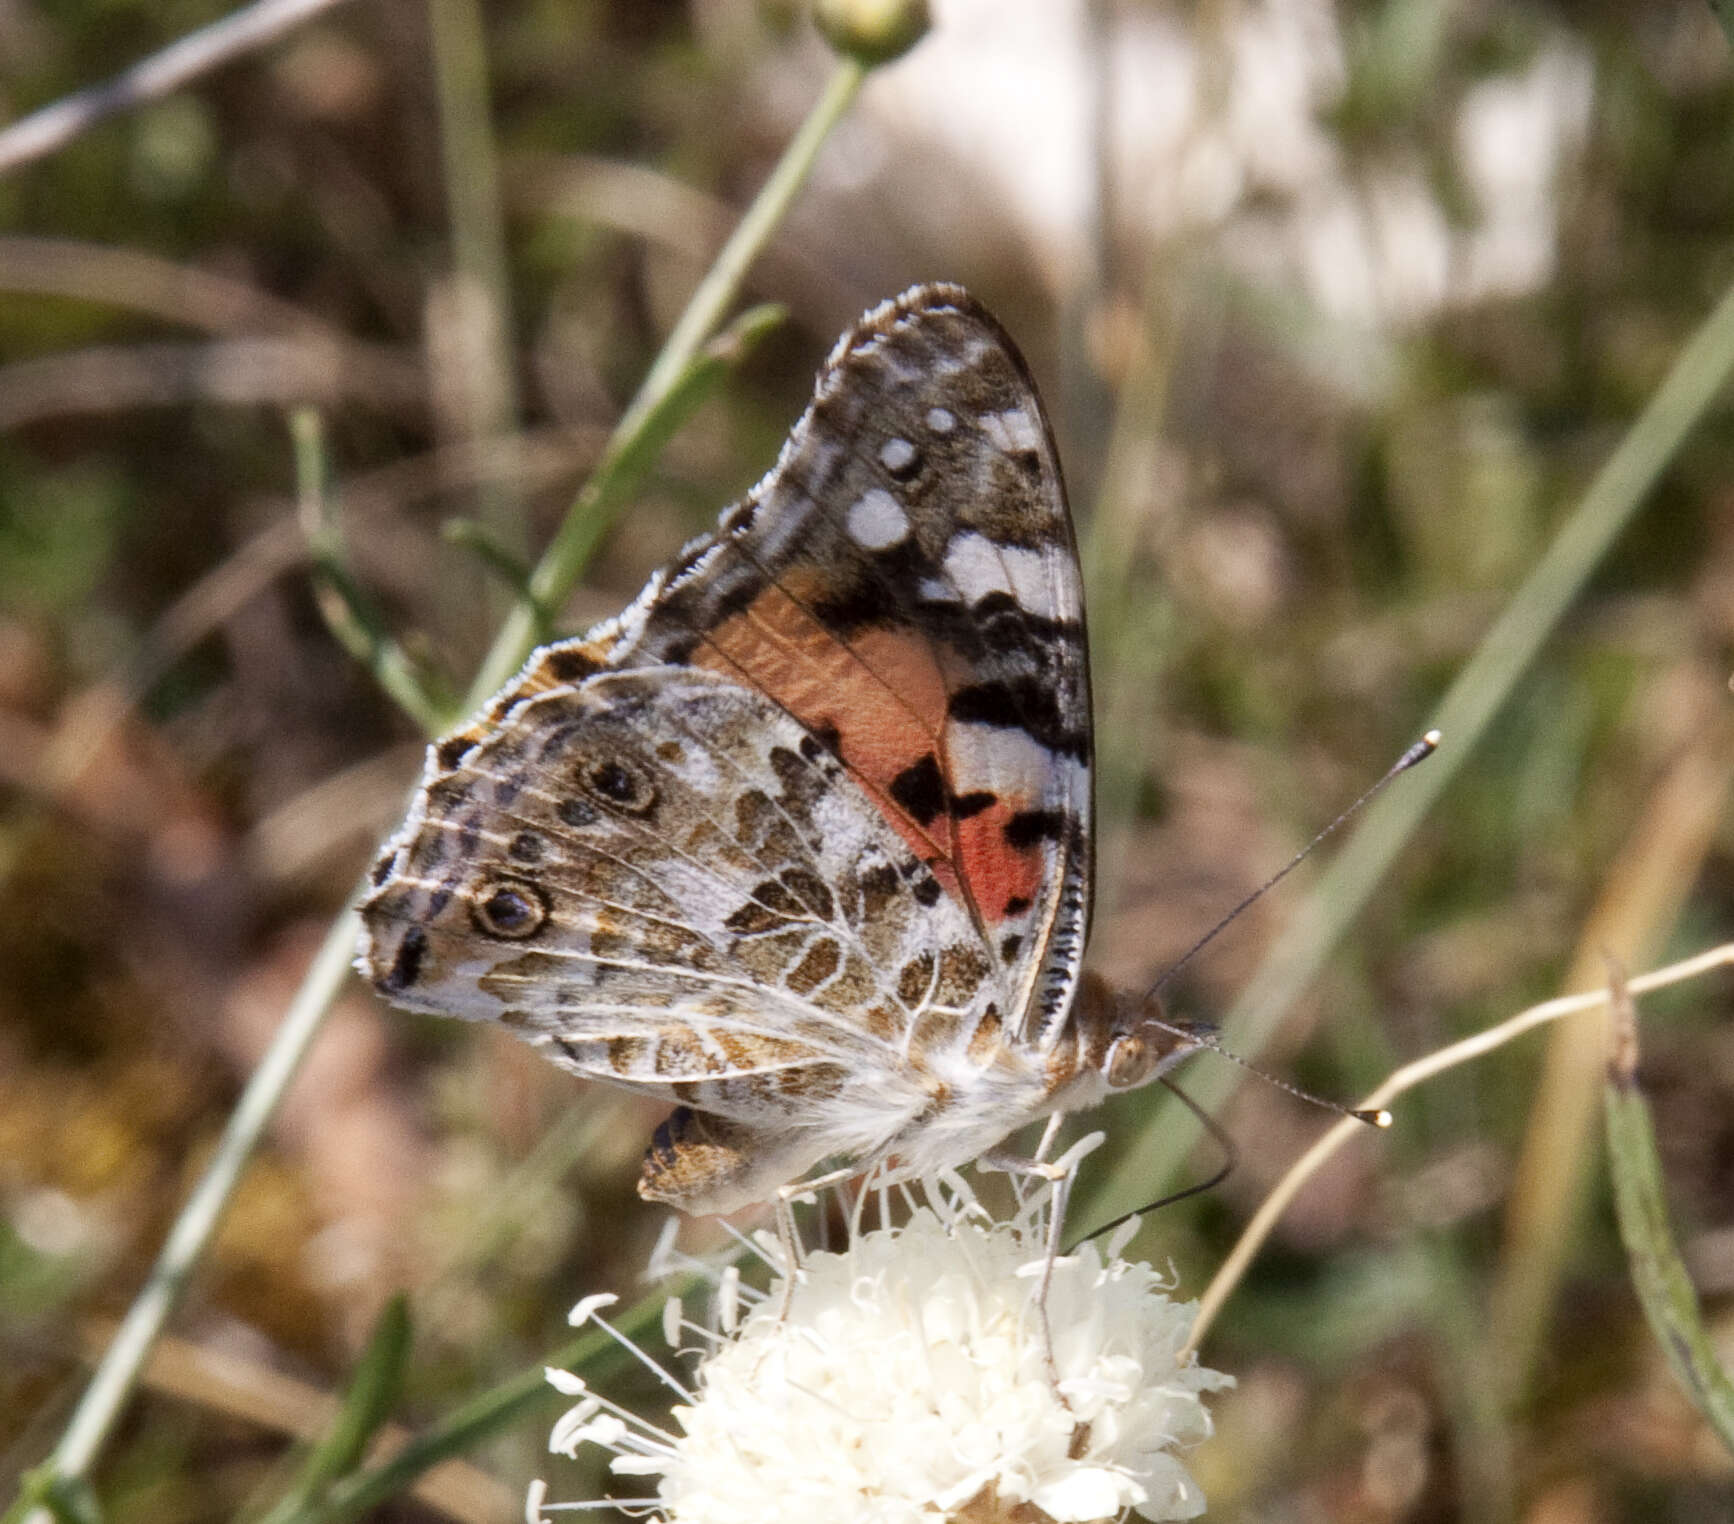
x=1379 y=1118
x=1419 y=752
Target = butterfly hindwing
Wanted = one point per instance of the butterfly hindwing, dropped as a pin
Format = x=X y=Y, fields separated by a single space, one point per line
x=665 y=883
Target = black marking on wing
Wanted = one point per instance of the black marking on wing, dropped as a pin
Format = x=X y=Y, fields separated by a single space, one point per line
x=1020 y=704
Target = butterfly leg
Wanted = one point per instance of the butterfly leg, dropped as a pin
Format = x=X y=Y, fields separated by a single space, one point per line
x=1057 y=1204
x=1059 y=1180
x=1051 y=1131
x=787 y=1196
x=1034 y=1167
x=1060 y=1176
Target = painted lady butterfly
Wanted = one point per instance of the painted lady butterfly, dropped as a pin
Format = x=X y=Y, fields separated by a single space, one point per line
x=801 y=840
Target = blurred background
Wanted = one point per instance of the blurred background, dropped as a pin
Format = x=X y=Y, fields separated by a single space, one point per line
x=1338 y=308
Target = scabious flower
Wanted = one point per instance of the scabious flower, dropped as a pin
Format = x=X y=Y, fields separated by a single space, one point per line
x=909 y=1378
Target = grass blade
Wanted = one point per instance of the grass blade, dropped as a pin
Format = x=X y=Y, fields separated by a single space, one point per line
x=368 y=1403
x=1659 y=1275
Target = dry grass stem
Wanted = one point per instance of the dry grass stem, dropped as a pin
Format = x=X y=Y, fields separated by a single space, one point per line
x=1643 y=894
x=254 y=26
x=1407 y=1078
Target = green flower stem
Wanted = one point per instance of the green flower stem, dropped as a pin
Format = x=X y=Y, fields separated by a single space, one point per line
x=342 y=602
x=1481 y=688
x=481 y=309
x=97 y=1410
x=595 y=506
x=373 y=1391
x=94 y=1418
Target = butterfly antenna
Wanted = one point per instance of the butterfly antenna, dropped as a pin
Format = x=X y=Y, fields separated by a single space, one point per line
x=1418 y=753
x=1205 y=1037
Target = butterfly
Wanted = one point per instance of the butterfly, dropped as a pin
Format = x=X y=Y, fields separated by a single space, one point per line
x=800 y=841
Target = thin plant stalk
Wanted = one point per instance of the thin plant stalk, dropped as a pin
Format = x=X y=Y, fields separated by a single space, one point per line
x=98 y=1409
x=1481 y=688
x=348 y=613
x=253 y=26
x=590 y=514
x=480 y=307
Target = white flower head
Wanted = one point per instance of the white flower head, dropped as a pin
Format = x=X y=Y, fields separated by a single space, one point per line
x=908 y=1379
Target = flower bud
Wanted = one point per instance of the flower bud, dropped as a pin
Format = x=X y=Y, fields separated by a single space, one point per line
x=872 y=31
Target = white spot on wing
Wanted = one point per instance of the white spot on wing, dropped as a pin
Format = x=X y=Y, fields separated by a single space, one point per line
x=1012 y=763
x=877 y=520
x=896 y=455
x=1014 y=432
x=978 y=566
x=941 y=420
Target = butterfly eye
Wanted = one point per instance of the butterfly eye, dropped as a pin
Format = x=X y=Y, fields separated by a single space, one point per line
x=623 y=784
x=1128 y=1063
x=510 y=909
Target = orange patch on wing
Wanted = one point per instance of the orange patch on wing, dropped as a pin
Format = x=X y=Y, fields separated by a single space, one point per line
x=996 y=871
x=883 y=692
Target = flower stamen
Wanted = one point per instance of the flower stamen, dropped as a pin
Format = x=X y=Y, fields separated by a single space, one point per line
x=914 y=1376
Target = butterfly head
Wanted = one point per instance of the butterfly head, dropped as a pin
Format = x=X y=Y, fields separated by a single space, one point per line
x=1127 y=1037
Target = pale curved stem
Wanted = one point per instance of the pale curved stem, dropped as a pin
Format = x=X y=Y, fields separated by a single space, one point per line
x=1253 y=1237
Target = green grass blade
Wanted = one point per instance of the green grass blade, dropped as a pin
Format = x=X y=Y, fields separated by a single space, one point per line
x=592 y=1354
x=1659 y=1275
x=372 y=1392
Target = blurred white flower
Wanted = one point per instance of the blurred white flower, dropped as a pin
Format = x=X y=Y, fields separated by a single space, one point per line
x=909 y=1379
